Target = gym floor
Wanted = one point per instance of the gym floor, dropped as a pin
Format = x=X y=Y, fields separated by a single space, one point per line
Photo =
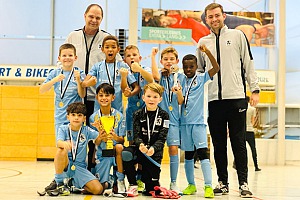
x=21 y=180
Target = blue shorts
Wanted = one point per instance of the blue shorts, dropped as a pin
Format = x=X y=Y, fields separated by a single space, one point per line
x=103 y=167
x=81 y=176
x=173 y=138
x=194 y=136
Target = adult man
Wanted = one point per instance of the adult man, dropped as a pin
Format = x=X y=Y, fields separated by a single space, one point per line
x=227 y=104
x=88 y=41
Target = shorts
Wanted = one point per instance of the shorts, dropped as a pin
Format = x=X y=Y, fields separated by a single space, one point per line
x=173 y=138
x=194 y=136
x=81 y=176
x=102 y=168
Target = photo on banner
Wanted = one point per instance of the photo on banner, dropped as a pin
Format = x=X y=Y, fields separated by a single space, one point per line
x=186 y=27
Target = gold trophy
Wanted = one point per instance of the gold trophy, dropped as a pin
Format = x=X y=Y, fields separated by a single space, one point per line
x=108 y=123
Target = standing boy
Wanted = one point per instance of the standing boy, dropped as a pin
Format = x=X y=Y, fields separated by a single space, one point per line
x=192 y=124
x=227 y=105
x=150 y=128
x=168 y=78
x=105 y=96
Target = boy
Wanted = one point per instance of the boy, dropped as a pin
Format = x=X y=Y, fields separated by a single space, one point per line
x=67 y=84
x=105 y=96
x=150 y=128
x=143 y=76
x=109 y=71
x=71 y=153
x=192 y=125
x=167 y=78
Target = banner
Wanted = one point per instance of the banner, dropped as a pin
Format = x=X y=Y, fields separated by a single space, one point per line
x=187 y=27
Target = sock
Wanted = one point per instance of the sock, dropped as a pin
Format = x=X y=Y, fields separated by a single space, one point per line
x=206 y=170
x=59 y=178
x=189 y=171
x=120 y=176
x=174 y=164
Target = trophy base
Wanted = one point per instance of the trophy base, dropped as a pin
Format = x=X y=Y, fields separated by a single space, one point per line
x=108 y=153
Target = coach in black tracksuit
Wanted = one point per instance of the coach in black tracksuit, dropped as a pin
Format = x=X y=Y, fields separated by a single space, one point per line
x=226 y=95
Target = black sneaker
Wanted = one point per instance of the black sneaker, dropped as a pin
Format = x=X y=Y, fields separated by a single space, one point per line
x=51 y=186
x=244 y=191
x=257 y=169
x=221 y=189
x=61 y=189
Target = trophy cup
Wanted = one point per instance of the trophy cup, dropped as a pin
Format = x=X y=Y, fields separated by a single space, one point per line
x=108 y=123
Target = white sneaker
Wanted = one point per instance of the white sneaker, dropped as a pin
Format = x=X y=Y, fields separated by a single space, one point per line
x=121 y=186
x=174 y=187
x=108 y=193
x=132 y=191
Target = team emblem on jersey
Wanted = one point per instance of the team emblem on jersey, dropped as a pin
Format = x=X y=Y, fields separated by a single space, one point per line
x=117 y=72
x=158 y=121
x=141 y=79
x=228 y=42
x=82 y=138
x=195 y=82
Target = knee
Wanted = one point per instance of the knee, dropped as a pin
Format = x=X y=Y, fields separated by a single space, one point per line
x=202 y=153
x=173 y=150
x=189 y=155
x=127 y=155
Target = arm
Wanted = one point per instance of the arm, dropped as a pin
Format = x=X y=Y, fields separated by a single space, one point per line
x=89 y=81
x=178 y=91
x=212 y=59
x=155 y=72
x=136 y=89
x=160 y=142
x=136 y=129
x=64 y=145
x=135 y=67
x=124 y=73
x=47 y=86
x=80 y=89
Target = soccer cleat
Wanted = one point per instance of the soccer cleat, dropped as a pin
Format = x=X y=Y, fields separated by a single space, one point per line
x=221 y=189
x=244 y=191
x=121 y=186
x=140 y=186
x=174 y=187
x=208 y=192
x=132 y=191
x=191 y=189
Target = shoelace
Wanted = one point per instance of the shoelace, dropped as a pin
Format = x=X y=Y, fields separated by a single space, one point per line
x=244 y=186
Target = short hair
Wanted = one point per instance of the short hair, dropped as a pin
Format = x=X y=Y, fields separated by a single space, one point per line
x=110 y=37
x=67 y=46
x=106 y=88
x=91 y=5
x=213 y=6
x=189 y=57
x=77 y=107
x=155 y=87
x=169 y=50
x=129 y=47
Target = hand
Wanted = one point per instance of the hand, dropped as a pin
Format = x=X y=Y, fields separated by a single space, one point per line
x=92 y=80
x=254 y=99
x=123 y=72
x=127 y=92
x=177 y=89
x=59 y=78
x=150 y=151
x=98 y=125
x=154 y=51
x=174 y=68
x=143 y=148
x=203 y=48
x=165 y=72
x=77 y=75
x=135 y=67
x=68 y=145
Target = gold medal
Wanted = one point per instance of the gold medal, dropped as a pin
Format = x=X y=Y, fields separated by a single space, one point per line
x=170 y=108
x=73 y=167
x=138 y=104
x=61 y=104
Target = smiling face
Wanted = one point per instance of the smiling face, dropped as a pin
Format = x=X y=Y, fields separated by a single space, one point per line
x=189 y=68
x=168 y=60
x=215 y=19
x=110 y=48
x=104 y=99
x=93 y=20
x=67 y=58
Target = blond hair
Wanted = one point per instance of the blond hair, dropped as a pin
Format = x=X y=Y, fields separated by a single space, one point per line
x=155 y=87
x=169 y=50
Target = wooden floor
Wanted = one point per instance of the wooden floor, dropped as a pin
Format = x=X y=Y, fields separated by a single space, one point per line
x=21 y=180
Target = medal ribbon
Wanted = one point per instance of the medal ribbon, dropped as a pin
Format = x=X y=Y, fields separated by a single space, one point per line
x=88 y=51
x=63 y=90
x=188 y=90
x=148 y=124
x=112 y=82
x=170 y=93
x=74 y=149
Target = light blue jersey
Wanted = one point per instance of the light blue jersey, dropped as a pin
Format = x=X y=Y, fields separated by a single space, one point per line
x=70 y=96
x=86 y=134
x=193 y=91
x=110 y=73
x=135 y=102
x=118 y=127
x=169 y=101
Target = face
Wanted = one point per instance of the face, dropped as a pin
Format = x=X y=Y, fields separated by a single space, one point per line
x=93 y=18
x=215 y=19
x=104 y=99
x=76 y=120
x=110 y=49
x=164 y=21
x=132 y=55
x=151 y=99
x=67 y=58
x=189 y=68
x=168 y=60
